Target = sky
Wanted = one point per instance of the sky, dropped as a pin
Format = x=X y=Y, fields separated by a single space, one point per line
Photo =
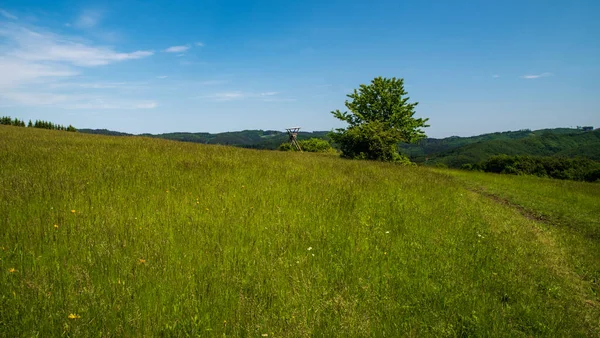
x=213 y=66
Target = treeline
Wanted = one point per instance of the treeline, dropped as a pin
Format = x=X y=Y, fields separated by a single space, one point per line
x=7 y=120
x=577 y=169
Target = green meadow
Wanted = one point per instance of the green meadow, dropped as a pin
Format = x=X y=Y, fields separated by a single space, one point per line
x=108 y=237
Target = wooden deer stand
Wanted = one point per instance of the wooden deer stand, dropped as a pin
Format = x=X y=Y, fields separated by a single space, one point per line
x=293 y=133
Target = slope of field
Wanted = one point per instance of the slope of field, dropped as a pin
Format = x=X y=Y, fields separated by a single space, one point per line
x=133 y=236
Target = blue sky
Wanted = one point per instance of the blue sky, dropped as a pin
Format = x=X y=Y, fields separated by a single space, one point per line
x=166 y=66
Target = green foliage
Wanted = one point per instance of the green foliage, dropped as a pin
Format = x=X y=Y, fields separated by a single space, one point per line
x=312 y=145
x=315 y=145
x=578 y=169
x=286 y=146
x=38 y=124
x=8 y=121
x=379 y=117
x=369 y=141
x=178 y=239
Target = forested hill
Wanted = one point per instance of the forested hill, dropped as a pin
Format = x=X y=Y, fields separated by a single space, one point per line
x=456 y=151
x=258 y=139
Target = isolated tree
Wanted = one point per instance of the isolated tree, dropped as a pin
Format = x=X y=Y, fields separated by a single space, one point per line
x=379 y=118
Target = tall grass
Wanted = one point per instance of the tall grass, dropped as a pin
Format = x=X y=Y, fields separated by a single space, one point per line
x=104 y=236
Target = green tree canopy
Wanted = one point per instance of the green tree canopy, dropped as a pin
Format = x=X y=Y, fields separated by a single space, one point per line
x=379 y=117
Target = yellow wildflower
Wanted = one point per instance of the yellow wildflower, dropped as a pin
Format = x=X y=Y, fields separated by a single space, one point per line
x=72 y=211
x=142 y=261
x=12 y=270
x=74 y=316
x=55 y=226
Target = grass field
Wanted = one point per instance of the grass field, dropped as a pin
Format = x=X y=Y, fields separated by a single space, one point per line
x=105 y=236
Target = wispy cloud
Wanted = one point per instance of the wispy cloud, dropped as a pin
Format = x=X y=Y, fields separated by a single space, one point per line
x=40 y=46
x=108 y=104
x=37 y=67
x=238 y=95
x=162 y=77
x=97 y=85
x=88 y=19
x=72 y=101
x=199 y=44
x=279 y=100
x=212 y=82
x=227 y=96
x=7 y=15
x=177 y=49
x=16 y=72
x=536 y=76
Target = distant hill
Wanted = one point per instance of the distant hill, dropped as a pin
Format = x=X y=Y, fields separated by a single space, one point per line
x=257 y=139
x=452 y=151
x=456 y=151
x=103 y=132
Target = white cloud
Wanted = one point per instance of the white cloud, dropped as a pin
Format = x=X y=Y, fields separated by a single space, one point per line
x=199 y=44
x=37 y=67
x=180 y=55
x=238 y=95
x=229 y=96
x=530 y=77
x=88 y=19
x=16 y=72
x=7 y=15
x=177 y=49
x=35 y=98
x=72 y=101
x=146 y=105
x=278 y=100
x=108 y=104
x=35 y=46
x=97 y=85
x=212 y=82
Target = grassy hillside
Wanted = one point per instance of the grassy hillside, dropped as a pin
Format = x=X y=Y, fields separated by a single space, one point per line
x=132 y=236
x=538 y=143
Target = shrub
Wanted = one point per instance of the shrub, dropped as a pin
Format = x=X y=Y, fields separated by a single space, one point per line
x=578 y=169
x=312 y=145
